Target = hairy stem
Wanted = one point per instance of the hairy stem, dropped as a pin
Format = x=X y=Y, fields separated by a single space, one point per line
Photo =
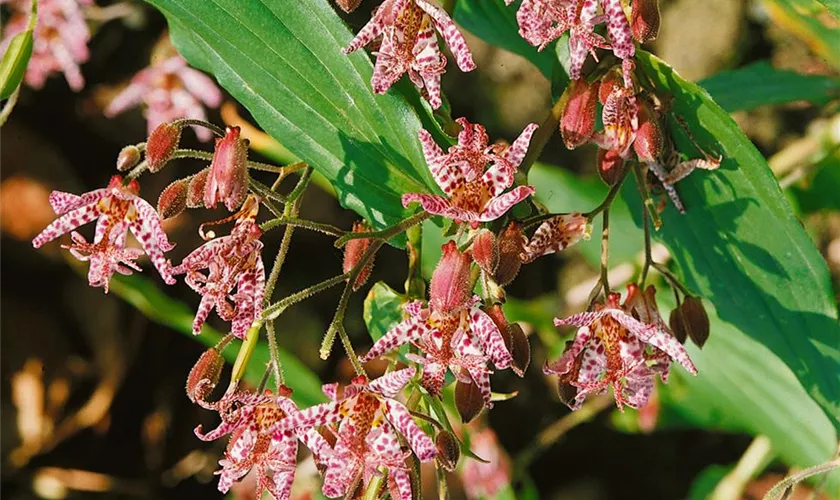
x=387 y=233
x=306 y=224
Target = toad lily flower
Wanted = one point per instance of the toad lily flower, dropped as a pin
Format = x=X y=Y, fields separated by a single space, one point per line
x=409 y=45
x=556 y=234
x=473 y=176
x=248 y=418
x=60 y=39
x=454 y=333
x=118 y=210
x=170 y=90
x=231 y=261
x=368 y=418
x=612 y=347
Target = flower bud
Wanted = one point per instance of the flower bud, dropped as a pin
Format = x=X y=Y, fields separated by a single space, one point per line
x=228 y=178
x=690 y=320
x=448 y=450
x=354 y=250
x=129 y=157
x=511 y=244
x=450 y=287
x=348 y=5
x=173 y=199
x=161 y=145
x=649 y=142
x=195 y=189
x=468 y=400
x=612 y=79
x=205 y=375
x=644 y=20
x=519 y=348
x=579 y=112
x=567 y=392
x=611 y=166
x=485 y=251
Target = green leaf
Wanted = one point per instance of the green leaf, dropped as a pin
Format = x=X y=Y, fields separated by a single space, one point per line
x=760 y=84
x=146 y=297
x=706 y=482
x=833 y=6
x=820 y=193
x=809 y=21
x=283 y=61
x=495 y=23
x=741 y=247
x=16 y=58
x=382 y=309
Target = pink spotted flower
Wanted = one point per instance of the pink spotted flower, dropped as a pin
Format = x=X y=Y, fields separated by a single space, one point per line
x=614 y=348
x=366 y=420
x=452 y=333
x=543 y=21
x=409 y=45
x=231 y=262
x=255 y=446
x=556 y=234
x=473 y=175
x=170 y=90
x=117 y=209
x=60 y=39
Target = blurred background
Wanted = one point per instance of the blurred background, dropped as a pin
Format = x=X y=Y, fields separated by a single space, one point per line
x=93 y=404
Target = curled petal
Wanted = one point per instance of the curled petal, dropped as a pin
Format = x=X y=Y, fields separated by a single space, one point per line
x=402 y=420
x=390 y=384
x=516 y=152
x=450 y=33
x=501 y=204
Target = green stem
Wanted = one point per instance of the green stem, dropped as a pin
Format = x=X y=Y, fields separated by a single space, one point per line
x=387 y=233
x=276 y=309
x=306 y=224
x=9 y=106
x=276 y=365
x=637 y=170
x=605 y=252
x=200 y=123
x=783 y=488
x=244 y=356
x=608 y=200
x=266 y=192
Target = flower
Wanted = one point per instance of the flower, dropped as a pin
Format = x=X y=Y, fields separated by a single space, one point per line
x=484 y=479
x=249 y=419
x=117 y=209
x=227 y=180
x=459 y=338
x=612 y=347
x=543 y=21
x=409 y=45
x=232 y=261
x=368 y=420
x=473 y=175
x=556 y=234
x=170 y=90
x=60 y=39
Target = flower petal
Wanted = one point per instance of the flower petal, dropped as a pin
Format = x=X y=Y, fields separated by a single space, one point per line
x=516 y=152
x=490 y=338
x=401 y=334
x=66 y=223
x=454 y=39
x=499 y=205
x=390 y=384
x=402 y=420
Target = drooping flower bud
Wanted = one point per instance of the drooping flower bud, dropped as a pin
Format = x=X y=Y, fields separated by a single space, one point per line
x=612 y=79
x=161 y=145
x=448 y=450
x=468 y=400
x=173 y=199
x=566 y=391
x=205 y=375
x=644 y=20
x=519 y=348
x=348 y=5
x=195 y=189
x=690 y=320
x=485 y=251
x=611 y=166
x=228 y=178
x=354 y=250
x=511 y=245
x=129 y=157
x=579 y=112
x=450 y=287
x=649 y=142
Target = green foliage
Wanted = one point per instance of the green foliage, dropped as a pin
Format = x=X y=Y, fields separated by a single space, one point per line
x=810 y=21
x=821 y=192
x=147 y=298
x=283 y=61
x=16 y=58
x=382 y=310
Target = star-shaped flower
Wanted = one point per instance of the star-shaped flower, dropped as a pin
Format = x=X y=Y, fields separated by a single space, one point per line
x=612 y=348
x=473 y=175
x=118 y=210
x=409 y=45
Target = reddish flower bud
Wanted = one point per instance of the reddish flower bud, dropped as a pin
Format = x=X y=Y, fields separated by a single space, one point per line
x=644 y=20
x=485 y=251
x=612 y=79
x=354 y=250
x=649 y=142
x=511 y=244
x=448 y=450
x=173 y=199
x=348 y=5
x=468 y=400
x=228 y=178
x=450 y=287
x=161 y=145
x=129 y=157
x=205 y=375
x=195 y=189
x=566 y=391
x=519 y=348
x=579 y=112
x=690 y=320
x=611 y=166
